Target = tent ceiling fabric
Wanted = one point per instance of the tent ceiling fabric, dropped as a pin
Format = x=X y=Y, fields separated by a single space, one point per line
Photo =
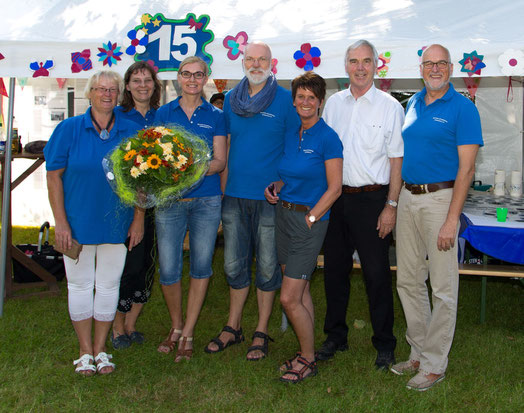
x=35 y=30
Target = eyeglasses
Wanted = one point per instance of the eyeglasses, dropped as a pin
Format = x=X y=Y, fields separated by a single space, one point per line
x=103 y=90
x=261 y=60
x=441 y=64
x=197 y=75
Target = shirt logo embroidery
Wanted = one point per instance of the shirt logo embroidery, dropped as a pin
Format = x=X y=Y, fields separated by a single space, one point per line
x=203 y=125
x=439 y=120
x=308 y=150
x=267 y=115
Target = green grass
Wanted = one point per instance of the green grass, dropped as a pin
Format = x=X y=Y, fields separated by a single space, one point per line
x=37 y=346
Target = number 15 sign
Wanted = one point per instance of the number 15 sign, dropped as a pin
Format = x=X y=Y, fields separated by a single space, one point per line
x=171 y=41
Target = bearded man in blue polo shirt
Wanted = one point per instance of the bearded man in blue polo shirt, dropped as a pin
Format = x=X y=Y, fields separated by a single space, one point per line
x=442 y=135
x=259 y=113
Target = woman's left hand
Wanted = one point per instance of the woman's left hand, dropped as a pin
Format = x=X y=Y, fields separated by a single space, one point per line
x=136 y=229
x=308 y=222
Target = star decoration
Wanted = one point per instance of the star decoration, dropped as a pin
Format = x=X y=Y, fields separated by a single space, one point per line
x=156 y=22
x=146 y=19
x=472 y=63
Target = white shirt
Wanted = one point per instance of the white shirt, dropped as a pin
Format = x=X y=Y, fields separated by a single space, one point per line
x=370 y=129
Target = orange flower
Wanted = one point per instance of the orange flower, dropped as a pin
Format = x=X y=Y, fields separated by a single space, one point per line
x=154 y=162
x=129 y=155
x=147 y=145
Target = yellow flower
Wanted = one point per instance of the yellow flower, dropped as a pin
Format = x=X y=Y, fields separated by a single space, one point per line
x=162 y=130
x=147 y=144
x=129 y=155
x=135 y=172
x=154 y=162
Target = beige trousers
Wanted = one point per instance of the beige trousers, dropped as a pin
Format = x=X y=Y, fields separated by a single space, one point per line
x=430 y=329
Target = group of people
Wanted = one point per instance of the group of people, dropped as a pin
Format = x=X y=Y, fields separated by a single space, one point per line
x=284 y=182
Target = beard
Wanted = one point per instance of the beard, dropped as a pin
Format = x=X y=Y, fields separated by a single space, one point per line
x=257 y=79
x=439 y=86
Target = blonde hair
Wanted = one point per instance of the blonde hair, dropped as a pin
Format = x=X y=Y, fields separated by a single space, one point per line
x=108 y=74
x=200 y=61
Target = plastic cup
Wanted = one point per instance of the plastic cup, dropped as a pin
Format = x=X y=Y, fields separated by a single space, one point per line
x=502 y=213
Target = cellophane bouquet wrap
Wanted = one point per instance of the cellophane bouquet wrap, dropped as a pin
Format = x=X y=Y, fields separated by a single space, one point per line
x=157 y=166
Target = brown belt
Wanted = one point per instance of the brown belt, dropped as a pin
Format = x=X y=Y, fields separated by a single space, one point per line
x=366 y=188
x=295 y=207
x=417 y=189
x=186 y=199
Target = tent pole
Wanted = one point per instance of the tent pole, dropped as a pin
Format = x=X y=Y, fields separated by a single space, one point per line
x=6 y=194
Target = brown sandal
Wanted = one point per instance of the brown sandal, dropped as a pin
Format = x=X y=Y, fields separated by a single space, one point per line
x=168 y=343
x=183 y=352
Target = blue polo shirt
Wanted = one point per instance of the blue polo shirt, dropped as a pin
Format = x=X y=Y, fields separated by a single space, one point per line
x=257 y=145
x=207 y=121
x=135 y=116
x=303 y=168
x=93 y=210
x=432 y=133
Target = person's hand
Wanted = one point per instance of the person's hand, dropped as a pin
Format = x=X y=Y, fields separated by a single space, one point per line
x=386 y=221
x=308 y=222
x=271 y=193
x=63 y=235
x=135 y=233
x=446 y=236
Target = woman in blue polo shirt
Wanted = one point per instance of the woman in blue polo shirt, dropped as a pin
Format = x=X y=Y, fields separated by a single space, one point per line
x=199 y=211
x=311 y=180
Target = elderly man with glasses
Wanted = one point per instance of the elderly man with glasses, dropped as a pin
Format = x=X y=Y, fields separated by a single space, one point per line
x=442 y=135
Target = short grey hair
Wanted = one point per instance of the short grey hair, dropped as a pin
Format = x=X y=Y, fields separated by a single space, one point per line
x=358 y=44
x=437 y=45
x=108 y=74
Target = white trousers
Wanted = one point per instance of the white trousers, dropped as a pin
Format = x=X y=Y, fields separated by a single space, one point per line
x=99 y=267
x=429 y=330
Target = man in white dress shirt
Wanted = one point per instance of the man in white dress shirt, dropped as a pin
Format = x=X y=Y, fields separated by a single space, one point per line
x=369 y=123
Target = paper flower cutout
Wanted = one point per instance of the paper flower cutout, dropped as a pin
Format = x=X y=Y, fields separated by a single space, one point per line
x=152 y=64
x=420 y=51
x=472 y=63
x=235 y=45
x=383 y=60
x=40 y=68
x=81 y=61
x=136 y=42
x=109 y=54
x=274 y=63
x=512 y=62
x=307 y=57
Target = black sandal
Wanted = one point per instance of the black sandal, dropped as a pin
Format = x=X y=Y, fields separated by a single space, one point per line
x=288 y=364
x=299 y=375
x=221 y=345
x=263 y=348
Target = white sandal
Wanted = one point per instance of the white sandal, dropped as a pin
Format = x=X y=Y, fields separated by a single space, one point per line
x=86 y=366
x=102 y=361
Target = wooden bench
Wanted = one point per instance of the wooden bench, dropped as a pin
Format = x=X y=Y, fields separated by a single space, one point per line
x=481 y=270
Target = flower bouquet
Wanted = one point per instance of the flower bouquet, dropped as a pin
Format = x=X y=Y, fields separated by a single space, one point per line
x=156 y=166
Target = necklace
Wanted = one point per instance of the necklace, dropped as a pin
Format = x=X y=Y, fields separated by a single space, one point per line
x=104 y=133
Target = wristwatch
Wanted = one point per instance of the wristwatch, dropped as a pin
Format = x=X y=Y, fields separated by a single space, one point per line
x=392 y=203
x=311 y=218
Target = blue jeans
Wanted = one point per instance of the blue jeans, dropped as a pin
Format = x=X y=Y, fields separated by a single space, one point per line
x=202 y=217
x=250 y=225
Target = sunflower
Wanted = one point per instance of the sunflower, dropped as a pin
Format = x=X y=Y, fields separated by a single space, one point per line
x=129 y=155
x=154 y=161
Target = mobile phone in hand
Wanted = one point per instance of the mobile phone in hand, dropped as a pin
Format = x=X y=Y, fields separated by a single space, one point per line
x=272 y=189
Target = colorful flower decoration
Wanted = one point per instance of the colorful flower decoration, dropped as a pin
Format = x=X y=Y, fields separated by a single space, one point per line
x=109 y=54
x=81 y=61
x=383 y=60
x=40 y=68
x=307 y=57
x=152 y=64
x=512 y=62
x=274 y=63
x=136 y=42
x=472 y=63
x=420 y=51
x=235 y=45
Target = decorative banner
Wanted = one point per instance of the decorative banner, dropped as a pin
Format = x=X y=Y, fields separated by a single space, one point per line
x=472 y=83
x=512 y=63
x=343 y=84
x=220 y=84
x=109 y=54
x=81 y=61
x=274 y=63
x=61 y=82
x=420 y=51
x=3 y=90
x=1 y=56
x=40 y=68
x=171 y=41
x=235 y=45
x=307 y=57
x=22 y=81
x=385 y=84
x=383 y=60
x=136 y=42
x=472 y=63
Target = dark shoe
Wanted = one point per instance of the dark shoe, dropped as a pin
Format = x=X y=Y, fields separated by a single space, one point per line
x=120 y=342
x=136 y=337
x=263 y=348
x=238 y=338
x=328 y=350
x=384 y=360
